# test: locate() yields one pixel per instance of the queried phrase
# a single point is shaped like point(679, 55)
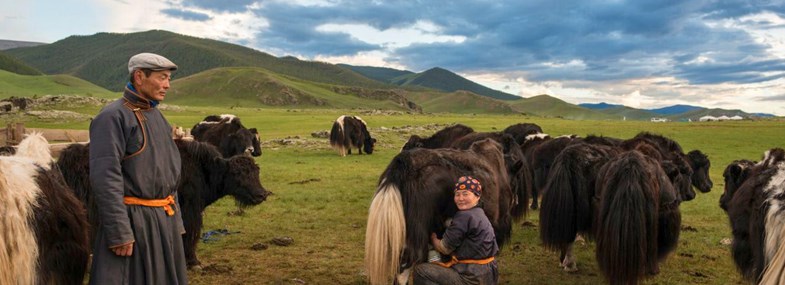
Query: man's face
point(154, 86)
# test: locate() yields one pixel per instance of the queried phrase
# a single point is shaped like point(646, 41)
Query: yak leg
point(568, 259)
point(403, 277)
point(191, 239)
point(535, 203)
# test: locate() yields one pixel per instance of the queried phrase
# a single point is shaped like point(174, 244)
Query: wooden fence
point(59, 139)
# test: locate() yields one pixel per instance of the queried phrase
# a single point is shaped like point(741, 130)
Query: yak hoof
point(534, 207)
point(569, 265)
point(195, 268)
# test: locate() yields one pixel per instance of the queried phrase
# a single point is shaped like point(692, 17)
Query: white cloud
point(225, 26)
point(373, 58)
point(420, 32)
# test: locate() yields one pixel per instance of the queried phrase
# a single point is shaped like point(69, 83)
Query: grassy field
point(321, 200)
point(12, 84)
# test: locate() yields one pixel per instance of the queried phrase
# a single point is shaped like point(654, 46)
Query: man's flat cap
point(150, 61)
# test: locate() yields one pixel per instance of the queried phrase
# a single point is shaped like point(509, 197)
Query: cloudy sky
point(645, 54)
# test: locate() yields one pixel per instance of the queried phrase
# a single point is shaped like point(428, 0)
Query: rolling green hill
point(257, 87)
point(547, 106)
point(459, 102)
point(11, 64)
point(103, 58)
point(12, 84)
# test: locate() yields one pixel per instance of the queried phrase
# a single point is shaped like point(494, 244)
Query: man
point(134, 169)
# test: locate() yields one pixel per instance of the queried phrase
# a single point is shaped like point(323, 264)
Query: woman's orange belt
point(166, 203)
point(455, 261)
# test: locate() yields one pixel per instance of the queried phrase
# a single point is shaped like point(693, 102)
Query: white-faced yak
point(44, 227)
point(757, 216)
point(349, 132)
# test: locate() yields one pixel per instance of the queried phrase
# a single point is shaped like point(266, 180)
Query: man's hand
point(123, 250)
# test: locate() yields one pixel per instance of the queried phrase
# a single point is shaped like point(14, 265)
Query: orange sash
point(166, 203)
point(455, 261)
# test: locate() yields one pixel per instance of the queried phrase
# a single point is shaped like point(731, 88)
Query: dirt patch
point(282, 241)
point(216, 269)
point(689, 229)
point(528, 224)
point(259, 246)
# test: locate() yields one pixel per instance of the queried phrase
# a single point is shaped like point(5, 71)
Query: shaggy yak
point(44, 238)
point(518, 169)
point(415, 197)
point(520, 131)
point(441, 139)
point(228, 134)
point(206, 176)
point(755, 209)
point(349, 132)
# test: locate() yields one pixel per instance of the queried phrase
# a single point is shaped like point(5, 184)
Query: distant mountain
point(11, 64)
point(434, 78)
point(763, 115)
point(103, 58)
point(694, 115)
point(628, 113)
point(599, 106)
point(9, 44)
point(548, 106)
point(383, 74)
point(675, 109)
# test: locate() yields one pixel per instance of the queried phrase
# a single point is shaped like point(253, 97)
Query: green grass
point(327, 217)
point(12, 84)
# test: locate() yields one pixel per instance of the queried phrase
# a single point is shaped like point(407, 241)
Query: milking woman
point(134, 169)
point(469, 241)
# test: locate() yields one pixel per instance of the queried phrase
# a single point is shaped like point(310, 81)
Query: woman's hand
point(435, 240)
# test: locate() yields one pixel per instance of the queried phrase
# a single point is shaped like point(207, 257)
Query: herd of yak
point(622, 193)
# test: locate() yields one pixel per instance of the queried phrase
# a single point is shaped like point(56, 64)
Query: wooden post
point(19, 133)
point(9, 132)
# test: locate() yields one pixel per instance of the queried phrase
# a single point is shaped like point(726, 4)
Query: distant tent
point(659, 120)
point(737, 118)
point(723, 118)
point(707, 119)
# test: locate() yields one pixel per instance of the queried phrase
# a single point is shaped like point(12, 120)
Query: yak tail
point(522, 184)
point(774, 272)
point(564, 209)
point(627, 222)
point(385, 234)
point(337, 137)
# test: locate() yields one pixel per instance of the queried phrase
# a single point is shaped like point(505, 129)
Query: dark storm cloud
point(186, 15)
point(549, 40)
